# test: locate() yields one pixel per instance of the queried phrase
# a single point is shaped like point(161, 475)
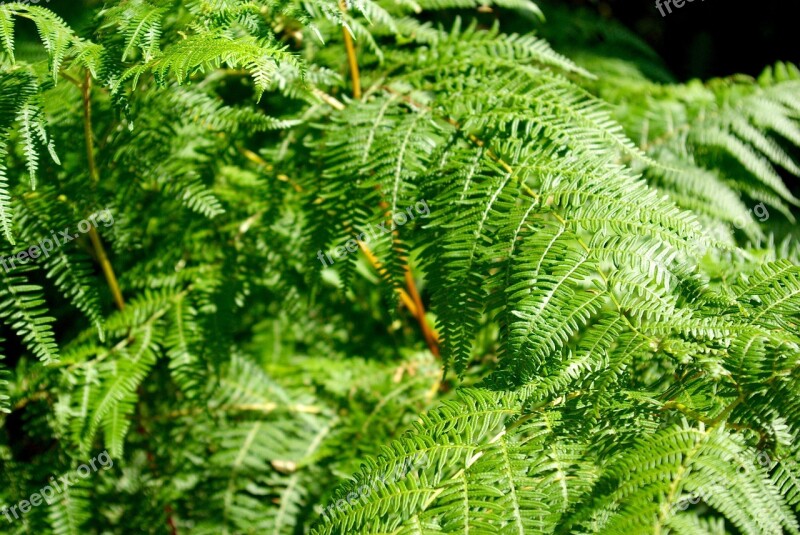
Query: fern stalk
point(86, 93)
point(350, 49)
point(97, 243)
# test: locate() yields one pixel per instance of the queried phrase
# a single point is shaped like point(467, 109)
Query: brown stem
point(410, 299)
point(71, 79)
point(404, 297)
point(108, 270)
point(99, 250)
point(86, 90)
point(330, 100)
point(431, 337)
point(351, 56)
point(173, 528)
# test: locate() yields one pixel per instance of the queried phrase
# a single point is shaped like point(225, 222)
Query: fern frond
point(70, 511)
point(111, 402)
point(54, 33)
point(21, 307)
point(198, 53)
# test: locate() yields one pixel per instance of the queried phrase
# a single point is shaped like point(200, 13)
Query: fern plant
point(390, 267)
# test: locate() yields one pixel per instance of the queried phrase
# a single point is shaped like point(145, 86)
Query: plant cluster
point(595, 323)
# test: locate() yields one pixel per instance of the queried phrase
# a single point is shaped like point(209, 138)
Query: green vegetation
point(584, 321)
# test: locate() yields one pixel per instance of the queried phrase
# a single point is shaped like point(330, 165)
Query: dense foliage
point(390, 267)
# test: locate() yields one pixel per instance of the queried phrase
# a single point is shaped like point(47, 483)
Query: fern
point(389, 267)
point(23, 311)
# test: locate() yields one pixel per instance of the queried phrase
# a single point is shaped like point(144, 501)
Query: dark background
point(708, 38)
point(704, 38)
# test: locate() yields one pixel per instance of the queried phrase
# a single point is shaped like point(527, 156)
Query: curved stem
point(97, 244)
point(108, 269)
point(86, 91)
point(351, 55)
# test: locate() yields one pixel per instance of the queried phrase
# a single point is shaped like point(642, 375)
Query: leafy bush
point(390, 267)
